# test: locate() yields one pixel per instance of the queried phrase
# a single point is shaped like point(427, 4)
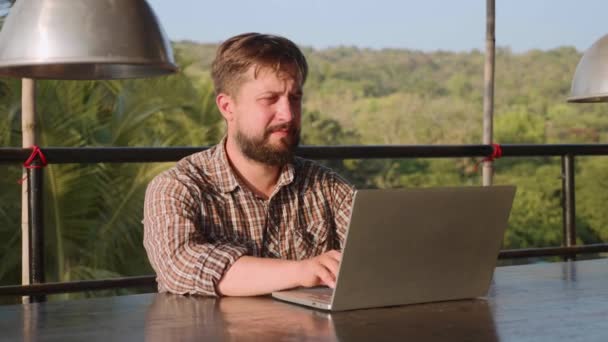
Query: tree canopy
point(353, 96)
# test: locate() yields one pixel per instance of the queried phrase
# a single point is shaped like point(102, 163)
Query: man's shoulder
point(193, 169)
point(311, 172)
point(321, 182)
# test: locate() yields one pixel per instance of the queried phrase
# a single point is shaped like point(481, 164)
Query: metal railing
point(60, 155)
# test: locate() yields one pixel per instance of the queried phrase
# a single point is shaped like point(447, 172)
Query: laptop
point(412, 246)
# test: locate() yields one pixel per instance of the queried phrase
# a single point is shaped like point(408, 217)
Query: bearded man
point(247, 217)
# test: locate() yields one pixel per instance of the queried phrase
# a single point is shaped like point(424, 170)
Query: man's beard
point(259, 148)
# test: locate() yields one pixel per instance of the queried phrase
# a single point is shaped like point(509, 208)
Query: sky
point(428, 25)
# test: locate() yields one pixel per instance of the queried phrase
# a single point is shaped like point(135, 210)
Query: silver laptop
point(415, 246)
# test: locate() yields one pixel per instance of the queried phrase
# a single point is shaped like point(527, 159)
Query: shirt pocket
point(311, 239)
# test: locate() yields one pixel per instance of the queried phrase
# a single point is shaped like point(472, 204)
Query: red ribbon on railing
point(29, 162)
point(496, 153)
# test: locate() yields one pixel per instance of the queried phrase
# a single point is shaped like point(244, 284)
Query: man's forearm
point(251, 276)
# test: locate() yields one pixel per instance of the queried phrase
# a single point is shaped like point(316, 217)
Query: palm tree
point(93, 212)
point(10, 195)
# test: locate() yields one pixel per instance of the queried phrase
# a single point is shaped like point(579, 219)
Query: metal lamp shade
point(84, 39)
point(590, 82)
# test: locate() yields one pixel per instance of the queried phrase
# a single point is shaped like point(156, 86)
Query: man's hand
point(252, 276)
point(320, 270)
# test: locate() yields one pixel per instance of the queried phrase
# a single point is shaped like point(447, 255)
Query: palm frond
point(93, 212)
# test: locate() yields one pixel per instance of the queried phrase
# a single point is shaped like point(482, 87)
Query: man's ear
point(225, 104)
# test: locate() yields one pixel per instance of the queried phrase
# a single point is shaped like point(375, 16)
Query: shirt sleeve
point(184, 262)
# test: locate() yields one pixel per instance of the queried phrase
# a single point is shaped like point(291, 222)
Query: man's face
point(267, 116)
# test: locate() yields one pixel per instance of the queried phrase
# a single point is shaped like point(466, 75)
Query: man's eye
point(269, 99)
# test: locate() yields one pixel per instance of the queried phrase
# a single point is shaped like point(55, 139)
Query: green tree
point(94, 211)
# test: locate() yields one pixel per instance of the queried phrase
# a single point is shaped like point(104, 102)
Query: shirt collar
point(226, 179)
point(287, 176)
point(224, 176)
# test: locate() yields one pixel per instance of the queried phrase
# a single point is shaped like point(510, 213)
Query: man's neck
point(258, 177)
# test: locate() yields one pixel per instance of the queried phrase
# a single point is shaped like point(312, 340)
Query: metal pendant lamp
point(84, 39)
point(590, 82)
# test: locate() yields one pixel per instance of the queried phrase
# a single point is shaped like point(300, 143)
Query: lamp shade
point(590, 82)
point(84, 39)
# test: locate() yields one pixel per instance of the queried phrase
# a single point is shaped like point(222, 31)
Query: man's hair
point(237, 54)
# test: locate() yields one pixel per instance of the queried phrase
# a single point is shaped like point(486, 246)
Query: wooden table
point(541, 302)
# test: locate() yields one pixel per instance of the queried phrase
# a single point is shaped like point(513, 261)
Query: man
point(246, 217)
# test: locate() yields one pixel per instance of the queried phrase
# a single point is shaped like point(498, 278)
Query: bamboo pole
point(488, 94)
point(29, 138)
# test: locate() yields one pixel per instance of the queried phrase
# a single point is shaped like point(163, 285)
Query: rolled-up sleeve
point(184, 262)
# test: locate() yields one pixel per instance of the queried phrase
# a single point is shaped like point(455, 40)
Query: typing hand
point(320, 270)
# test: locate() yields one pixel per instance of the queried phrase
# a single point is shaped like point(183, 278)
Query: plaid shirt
point(199, 219)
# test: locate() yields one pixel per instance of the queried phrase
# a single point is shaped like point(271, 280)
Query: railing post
point(488, 86)
point(568, 202)
point(29, 138)
point(36, 228)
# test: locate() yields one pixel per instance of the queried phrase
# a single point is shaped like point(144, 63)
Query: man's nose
point(285, 110)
